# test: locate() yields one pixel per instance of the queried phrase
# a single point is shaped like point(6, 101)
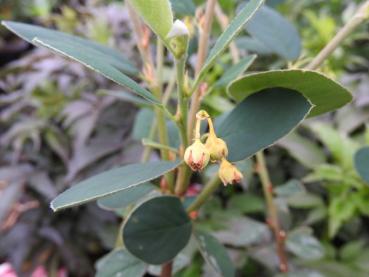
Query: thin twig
point(206, 192)
point(166, 270)
point(205, 29)
point(360, 15)
point(272, 219)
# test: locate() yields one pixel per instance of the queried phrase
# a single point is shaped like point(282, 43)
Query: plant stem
point(166, 270)
point(360, 15)
point(184, 173)
point(202, 53)
point(206, 192)
point(272, 211)
point(182, 107)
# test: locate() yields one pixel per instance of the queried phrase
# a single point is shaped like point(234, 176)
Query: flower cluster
point(198, 154)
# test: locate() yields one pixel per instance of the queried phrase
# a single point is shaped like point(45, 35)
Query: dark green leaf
point(324, 93)
point(243, 231)
point(215, 254)
point(273, 30)
point(119, 263)
point(126, 197)
point(290, 188)
point(127, 97)
point(304, 200)
point(142, 125)
point(253, 45)
point(234, 71)
point(96, 57)
point(304, 245)
point(246, 203)
point(362, 163)
point(111, 181)
point(262, 119)
point(183, 7)
point(157, 230)
point(232, 30)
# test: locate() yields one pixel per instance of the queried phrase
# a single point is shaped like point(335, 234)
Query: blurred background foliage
point(57, 127)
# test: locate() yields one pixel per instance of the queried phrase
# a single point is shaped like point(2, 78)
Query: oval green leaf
point(275, 32)
point(120, 263)
point(324, 93)
point(215, 254)
point(126, 197)
point(99, 58)
point(111, 181)
point(157, 230)
point(260, 120)
point(230, 33)
point(362, 163)
point(157, 14)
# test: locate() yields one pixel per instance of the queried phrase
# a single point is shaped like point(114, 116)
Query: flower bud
point(228, 173)
point(217, 148)
point(197, 156)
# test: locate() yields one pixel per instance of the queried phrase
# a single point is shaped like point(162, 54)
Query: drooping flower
point(228, 173)
point(197, 156)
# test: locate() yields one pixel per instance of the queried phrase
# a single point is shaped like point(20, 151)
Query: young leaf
point(275, 32)
point(260, 120)
point(95, 56)
point(119, 263)
point(157, 230)
point(229, 34)
point(234, 71)
point(156, 13)
point(362, 163)
point(215, 254)
point(126, 197)
point(111, 181)
point(324, 93)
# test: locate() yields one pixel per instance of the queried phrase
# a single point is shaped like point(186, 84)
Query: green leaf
point(275, 32)
point(142, 125)
point(304, 200)
point(126, 197)
point(157, 230)
point(246, 203)
point(303, 150)
point(253, 45)
point(341, 209)
point(260, 120)
point(111, 181)
point(230, 33)
point(340, 145)
point(324, 93)
point(183, 7)
point(95, 56)
point(215, 254)
point(243, 231)
point(352, 250)
point(234, 71)
point(157, 14)
point(126, 97)
point(119, 263)
point(292, 187)
point(362, 163)
point(304, 245)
